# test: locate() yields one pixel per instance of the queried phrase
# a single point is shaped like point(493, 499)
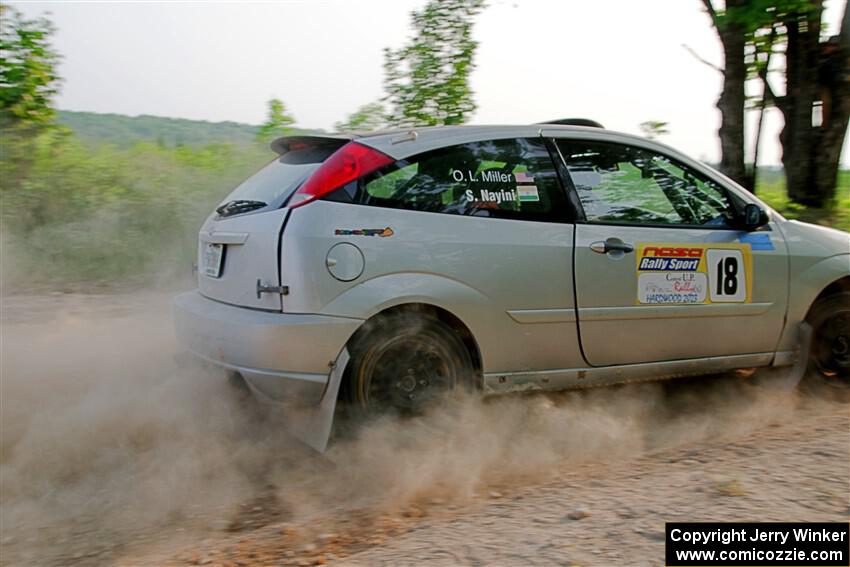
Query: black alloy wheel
point(830, 348)
point(404, 363)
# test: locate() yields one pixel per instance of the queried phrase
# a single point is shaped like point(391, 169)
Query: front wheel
point(830, 347)
point(402, 363)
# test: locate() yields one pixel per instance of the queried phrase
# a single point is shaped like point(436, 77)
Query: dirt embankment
point(112, 453)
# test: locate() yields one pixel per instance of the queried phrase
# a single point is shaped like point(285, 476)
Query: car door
point(660, 272)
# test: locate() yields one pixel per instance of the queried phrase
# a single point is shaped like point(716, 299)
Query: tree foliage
point(817, 72)
point(367, 118)
point(28, 85)
point(427, 80)
point(28, 79)
point(278, 123)
point(753, 33)
point(126, 131)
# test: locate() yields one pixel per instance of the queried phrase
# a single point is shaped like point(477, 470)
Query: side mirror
point(753, 217)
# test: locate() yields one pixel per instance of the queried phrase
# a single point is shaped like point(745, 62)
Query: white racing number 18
point(727, 276)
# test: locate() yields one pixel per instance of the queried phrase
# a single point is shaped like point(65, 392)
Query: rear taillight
point(348, 163)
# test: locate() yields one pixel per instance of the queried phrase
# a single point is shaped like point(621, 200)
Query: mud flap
point(789, 377)
point(312, 425)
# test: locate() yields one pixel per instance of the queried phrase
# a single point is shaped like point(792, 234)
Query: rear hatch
point(239, 244)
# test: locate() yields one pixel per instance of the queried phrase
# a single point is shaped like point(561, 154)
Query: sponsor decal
point(676, 274)
point(382, 232)
point(668, 264)
point(757, 241)
point(672, 287)
point(672, 252)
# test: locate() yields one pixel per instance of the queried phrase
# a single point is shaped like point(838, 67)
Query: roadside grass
point(772, 191)
point(86, 218)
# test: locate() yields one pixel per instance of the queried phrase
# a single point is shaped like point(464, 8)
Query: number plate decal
point(681, 274)
point(213, 254)
point(727, 277)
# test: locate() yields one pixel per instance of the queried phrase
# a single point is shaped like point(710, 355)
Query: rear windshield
point(275, 182)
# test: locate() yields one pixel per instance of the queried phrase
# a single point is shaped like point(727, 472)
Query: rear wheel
point(830, 348)
point(404, 362)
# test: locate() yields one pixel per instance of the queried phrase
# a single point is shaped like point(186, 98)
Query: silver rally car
point(389, 268)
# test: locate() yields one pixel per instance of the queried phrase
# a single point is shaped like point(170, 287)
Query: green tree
point(815, 74)
point(279, 122)
point(367, 118)
point(28, 79)
point(427, 80)
point(28, 85)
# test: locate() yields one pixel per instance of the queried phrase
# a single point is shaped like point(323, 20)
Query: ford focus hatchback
point(503, 258)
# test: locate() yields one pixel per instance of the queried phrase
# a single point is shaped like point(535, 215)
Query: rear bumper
point(284, 357)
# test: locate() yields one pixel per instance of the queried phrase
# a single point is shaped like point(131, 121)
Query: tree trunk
point(835, 93)
point(762, 106)
point(828, 151)
point(798, 137)
point(732, 98)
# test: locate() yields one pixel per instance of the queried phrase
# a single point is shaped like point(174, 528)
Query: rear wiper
point(239, 206)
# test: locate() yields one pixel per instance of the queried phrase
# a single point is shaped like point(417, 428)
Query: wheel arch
point(822, 279)
point(442, 314)
point(838, 286)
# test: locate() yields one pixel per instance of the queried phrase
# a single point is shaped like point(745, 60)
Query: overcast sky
point(620, 62)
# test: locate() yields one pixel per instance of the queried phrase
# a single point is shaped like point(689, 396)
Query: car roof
point(403, 142)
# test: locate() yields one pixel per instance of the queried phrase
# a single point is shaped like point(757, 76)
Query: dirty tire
point(829, 357)
point(403, 363)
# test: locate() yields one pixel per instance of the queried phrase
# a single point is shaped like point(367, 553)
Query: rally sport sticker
point(693, 274)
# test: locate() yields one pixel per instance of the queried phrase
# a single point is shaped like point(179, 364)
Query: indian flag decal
point(527, 193)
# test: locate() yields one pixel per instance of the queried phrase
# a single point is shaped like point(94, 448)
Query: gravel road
point(613, 512)
point(112, 453)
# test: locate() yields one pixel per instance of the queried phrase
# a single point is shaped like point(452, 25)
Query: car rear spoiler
point(287, 144)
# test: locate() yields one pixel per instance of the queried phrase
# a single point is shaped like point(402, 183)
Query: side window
point(628, 185)
point(512, 178)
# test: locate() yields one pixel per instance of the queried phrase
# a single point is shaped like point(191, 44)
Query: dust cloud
point(109, 443)
point(103, 435)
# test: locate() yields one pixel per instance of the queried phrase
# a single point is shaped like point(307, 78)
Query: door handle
point(611, 245)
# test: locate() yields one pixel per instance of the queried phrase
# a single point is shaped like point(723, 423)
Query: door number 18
point(727, 277)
